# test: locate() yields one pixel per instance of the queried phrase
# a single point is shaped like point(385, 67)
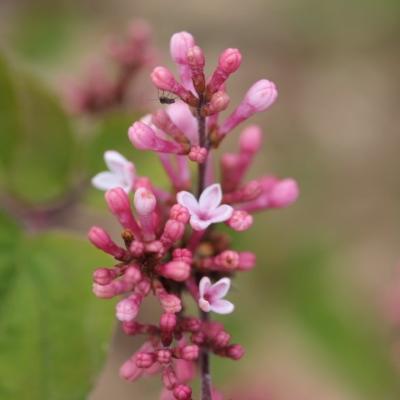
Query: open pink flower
point(211, 296)
point(208, 209)
point(121, 173)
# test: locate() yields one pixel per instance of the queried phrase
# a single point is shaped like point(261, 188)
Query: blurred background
point(320, 314)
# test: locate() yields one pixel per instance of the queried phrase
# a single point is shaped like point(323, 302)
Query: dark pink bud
point(169, 378)
point(198, 338)
point(104, 276)
point(100, 238)
point(247, 261)
point(235, 351)
point(145, 360)
point(164, 356)
point(168, 322)
point(179, 213)
point(113, 289)
point(184, 255)
point(240, 221)
point(143, 287)
point(221, 339)
point(195, 57)
point(189, 352)
point(182, 392)
point(154, 247)
point(191, 324)
point(130, 371)
point(176, 270)
point(131, 327)
point(228, 259)
point(251, 139)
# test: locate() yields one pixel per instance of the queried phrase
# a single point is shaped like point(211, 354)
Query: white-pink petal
point(211, 197)
point(106, 181)
point(115, 161)
point(219, 289)
point(187, 199)
point(221, 214)
point(199, 224)
point(204, 285)
point(222, 306)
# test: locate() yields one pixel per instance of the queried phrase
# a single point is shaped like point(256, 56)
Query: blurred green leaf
point(9, 122)
point(53, 328)
point(38, 156)
point(347, 337)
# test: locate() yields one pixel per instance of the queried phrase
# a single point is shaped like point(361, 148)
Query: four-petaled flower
point(211, 296)
point(121, 173)
point(208, 209)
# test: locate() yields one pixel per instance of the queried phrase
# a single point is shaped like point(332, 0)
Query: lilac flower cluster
point(171, 241)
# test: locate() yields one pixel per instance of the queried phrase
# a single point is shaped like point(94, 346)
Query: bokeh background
point(318, 314)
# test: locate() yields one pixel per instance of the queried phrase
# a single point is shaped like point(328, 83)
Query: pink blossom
point(127, 309)
point(121, 173)
point(208, 209)
point(211, 296)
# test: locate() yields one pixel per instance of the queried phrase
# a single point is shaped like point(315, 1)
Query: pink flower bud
point(111, 290)
point(131, 327)
point(133, 274)
point(182, 392)
point(170, 303)
point(144, 138)
point(191, 324)
point(180, 43)
point(184, 255)
point(145, 201)
point(169, 378)
point(176, 270)
point(179, 213)
point(129, 371)
point(100, 238)
point(219, 102)
point(143, 287)
point(104, 276)
point(234, 351)
point(173, 231)
point(198, 338)
point(136, 248)
point(251, 139)
point(258, 98)
point(198, 154)
point(119, 204)
point(240, 221)
point(168, 322)
point(164, 356)
point(247, 261)
point(189, 352)
point(145, 359)
point(221, 339)
point(195, 57)
point(127, 309)
point(228, 259)
point(284, 193)
point(229, 61)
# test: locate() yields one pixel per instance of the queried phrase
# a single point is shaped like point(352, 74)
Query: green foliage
point(39, 145)
point(53, 329)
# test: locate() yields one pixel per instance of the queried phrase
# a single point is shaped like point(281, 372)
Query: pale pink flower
point(211, 296)
point(121, 173)
point(208, 209)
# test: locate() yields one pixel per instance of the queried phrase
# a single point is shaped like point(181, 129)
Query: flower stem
point(204, 355)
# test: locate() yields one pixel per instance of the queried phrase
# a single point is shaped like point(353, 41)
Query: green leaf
point(9, 121)
point(43, 161)
point(348, 337)
point(53, 328)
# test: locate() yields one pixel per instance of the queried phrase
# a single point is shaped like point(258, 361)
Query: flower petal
point(204, 285)
point(115, 161)
point(199, 224)
point(182, 117)
point(220, 214)
point(211, 198)
point(129, 175)
point(222, 307)
point(186, 199)
point(219, 289)
point(204, 305)
point(106, 181)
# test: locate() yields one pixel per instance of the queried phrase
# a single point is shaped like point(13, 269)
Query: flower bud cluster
point(167, 246)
